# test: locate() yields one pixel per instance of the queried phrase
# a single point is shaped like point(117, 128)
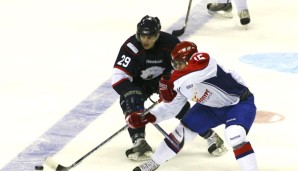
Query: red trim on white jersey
point(198, 61)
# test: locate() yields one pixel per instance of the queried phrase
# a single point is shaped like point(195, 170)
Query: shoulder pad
point(199, 61)
point(168, 41)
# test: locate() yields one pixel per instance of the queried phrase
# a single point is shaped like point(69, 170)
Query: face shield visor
point(179, 64)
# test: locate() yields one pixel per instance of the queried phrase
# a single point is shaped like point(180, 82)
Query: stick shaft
point(179, 32)
point(59, 167)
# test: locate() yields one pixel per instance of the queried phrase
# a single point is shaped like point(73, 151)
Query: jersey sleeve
point(124, 67)
point(164, 111)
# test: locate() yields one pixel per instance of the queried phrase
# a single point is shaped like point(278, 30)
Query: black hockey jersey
point(136, 66)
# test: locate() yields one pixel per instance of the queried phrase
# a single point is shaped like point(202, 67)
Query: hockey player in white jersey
point(225, 6)
point(221, 97)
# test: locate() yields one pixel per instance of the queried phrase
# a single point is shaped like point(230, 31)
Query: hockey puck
point(39, 167)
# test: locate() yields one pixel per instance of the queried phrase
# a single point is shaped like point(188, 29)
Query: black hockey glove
point(134, 101)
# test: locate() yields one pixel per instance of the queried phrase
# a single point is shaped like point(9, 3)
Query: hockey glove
point(166, 91)
point(134, 100)
point(135, 120)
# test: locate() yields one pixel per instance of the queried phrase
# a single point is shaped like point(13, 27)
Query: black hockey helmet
point(148, 26)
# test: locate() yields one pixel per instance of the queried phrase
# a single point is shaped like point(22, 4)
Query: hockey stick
point(58, 167)
point(175, 144)
point(182, 30)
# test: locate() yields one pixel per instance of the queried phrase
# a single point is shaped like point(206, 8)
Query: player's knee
point(235, 135)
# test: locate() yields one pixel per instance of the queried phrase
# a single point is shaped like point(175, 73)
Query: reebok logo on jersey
point(132, 48)
point(153, 61)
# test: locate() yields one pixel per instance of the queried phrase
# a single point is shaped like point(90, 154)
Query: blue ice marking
point(282, 62)
point(65, 130)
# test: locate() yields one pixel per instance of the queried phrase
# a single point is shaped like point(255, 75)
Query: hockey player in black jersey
point(141, 62)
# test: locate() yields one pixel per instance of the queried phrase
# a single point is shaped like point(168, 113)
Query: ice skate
point(148, 166)
point(221, 9)
point(216, 145)
point(244, 17)
point(140, 151)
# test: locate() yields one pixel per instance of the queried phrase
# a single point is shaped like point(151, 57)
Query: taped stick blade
point(50, 162)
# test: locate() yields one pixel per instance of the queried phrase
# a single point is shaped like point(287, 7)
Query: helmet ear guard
point(148, 26)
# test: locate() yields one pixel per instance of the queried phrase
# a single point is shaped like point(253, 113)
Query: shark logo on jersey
point(152, 72)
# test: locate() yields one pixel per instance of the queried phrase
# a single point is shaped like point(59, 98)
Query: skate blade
point(221, 14)
point(220, 151)
point(135, 156)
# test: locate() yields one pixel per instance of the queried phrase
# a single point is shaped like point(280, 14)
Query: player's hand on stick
point(166, 91)
point(135, 120)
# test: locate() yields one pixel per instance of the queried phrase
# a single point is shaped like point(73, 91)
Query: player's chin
point(147, 46)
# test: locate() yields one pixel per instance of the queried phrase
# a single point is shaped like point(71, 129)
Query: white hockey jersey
point(203, 81)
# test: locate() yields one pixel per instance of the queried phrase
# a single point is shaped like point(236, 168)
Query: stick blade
point(50, 162)
point(179, 32)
